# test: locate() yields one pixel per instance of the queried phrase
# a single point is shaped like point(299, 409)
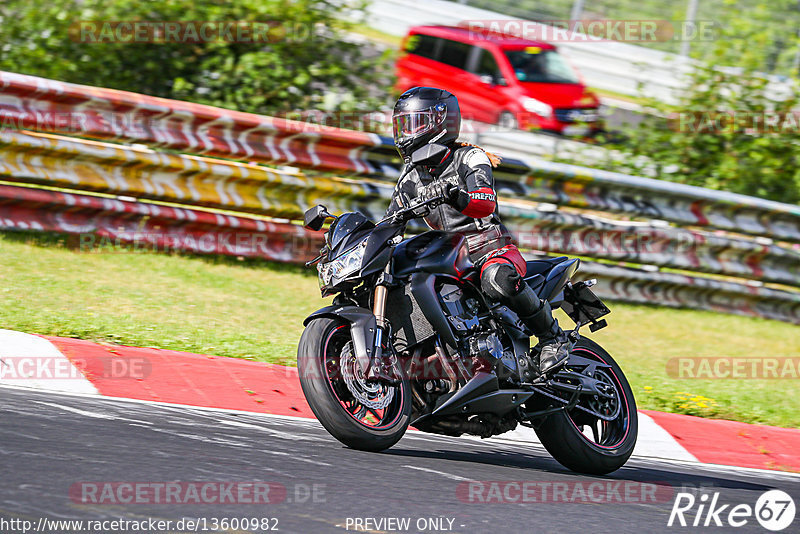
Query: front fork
point(382, 368)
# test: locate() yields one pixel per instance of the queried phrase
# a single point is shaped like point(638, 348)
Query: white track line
point(765, 473)
point(93, 415)
point(38, 358)
point(654, 441)
point(446, 475)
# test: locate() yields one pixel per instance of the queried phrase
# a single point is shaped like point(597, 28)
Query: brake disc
point(370, 394)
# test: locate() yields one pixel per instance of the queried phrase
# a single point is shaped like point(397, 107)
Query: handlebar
point(400, 215)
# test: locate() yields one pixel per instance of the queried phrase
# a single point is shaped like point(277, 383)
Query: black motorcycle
point(410, 339)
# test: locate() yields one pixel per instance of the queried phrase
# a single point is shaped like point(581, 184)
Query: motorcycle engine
point(486, 347)
point(462, 311)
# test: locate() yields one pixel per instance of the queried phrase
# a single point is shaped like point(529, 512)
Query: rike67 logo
point(774, 510)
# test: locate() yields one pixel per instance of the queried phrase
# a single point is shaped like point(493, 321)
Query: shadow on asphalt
point(680, 477)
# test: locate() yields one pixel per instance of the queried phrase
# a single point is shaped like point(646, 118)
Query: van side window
point(422, 45)
point(455, 54)
point(487, 65)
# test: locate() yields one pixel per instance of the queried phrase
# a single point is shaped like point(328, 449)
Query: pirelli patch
point(479, 195)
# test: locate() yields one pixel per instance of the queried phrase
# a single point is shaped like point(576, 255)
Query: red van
point(500, 79)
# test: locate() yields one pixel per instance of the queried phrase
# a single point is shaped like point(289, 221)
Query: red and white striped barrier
point(109, 225)
point(140, 174)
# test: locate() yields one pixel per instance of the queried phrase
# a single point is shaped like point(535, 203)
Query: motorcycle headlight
point(343, 266)
point(537, 106)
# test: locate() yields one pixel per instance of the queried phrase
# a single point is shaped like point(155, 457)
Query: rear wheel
point(586, 443)
point(364, 415)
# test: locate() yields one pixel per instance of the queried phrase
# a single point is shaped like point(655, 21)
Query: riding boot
point(553, 344)
point(536, 315)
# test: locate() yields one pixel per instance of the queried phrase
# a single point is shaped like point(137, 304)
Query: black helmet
point(425, 115)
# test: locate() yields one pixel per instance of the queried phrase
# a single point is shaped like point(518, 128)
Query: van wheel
point(508, 121)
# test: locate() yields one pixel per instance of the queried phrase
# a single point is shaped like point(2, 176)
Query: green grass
point(213, 305)
point(255, 309)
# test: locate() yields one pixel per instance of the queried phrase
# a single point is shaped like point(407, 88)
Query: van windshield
point(532, 64)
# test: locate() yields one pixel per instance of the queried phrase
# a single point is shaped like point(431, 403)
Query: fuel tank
point(433, 252)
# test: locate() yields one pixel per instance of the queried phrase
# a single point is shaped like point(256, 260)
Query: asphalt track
point(50, 442)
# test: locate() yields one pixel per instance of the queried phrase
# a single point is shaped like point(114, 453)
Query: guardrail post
point(691, 15)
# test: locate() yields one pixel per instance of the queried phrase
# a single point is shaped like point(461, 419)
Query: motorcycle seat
point(541, 266)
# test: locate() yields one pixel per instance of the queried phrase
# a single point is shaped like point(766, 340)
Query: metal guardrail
point(521, 145)
point(583, 187)
point(38, 103)
point(108, 224)
point(201, 181)
point(41, 104)
point(138, 176)
point(681, 291)
point(138, 172)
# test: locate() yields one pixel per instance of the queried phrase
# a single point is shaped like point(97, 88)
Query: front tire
point(325, 365)
point(565, 435)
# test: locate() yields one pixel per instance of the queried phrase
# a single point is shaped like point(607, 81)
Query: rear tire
point(563, 439)
point(321, 346)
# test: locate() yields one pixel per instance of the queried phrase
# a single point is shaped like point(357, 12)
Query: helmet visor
point(411, 124)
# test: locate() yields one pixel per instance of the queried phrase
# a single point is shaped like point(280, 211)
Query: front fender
point(362, 329)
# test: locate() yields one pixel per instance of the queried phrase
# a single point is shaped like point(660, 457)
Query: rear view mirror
point(429, 155)
point(314, 218)
point(489, 79)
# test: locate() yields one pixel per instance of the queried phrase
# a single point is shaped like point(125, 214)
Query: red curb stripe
point(221, 382)
point(193, 379)
point(719, 441)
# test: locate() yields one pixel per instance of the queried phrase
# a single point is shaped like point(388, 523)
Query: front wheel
point(368, 416)
point(507, 121)
point(585, 443)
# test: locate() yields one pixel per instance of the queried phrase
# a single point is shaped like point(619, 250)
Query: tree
point(306, 55)
point(716, 135)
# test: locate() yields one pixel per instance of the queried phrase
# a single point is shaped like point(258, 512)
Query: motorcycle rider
point(424, 115)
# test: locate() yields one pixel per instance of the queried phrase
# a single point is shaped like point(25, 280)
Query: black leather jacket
point(476, 217)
